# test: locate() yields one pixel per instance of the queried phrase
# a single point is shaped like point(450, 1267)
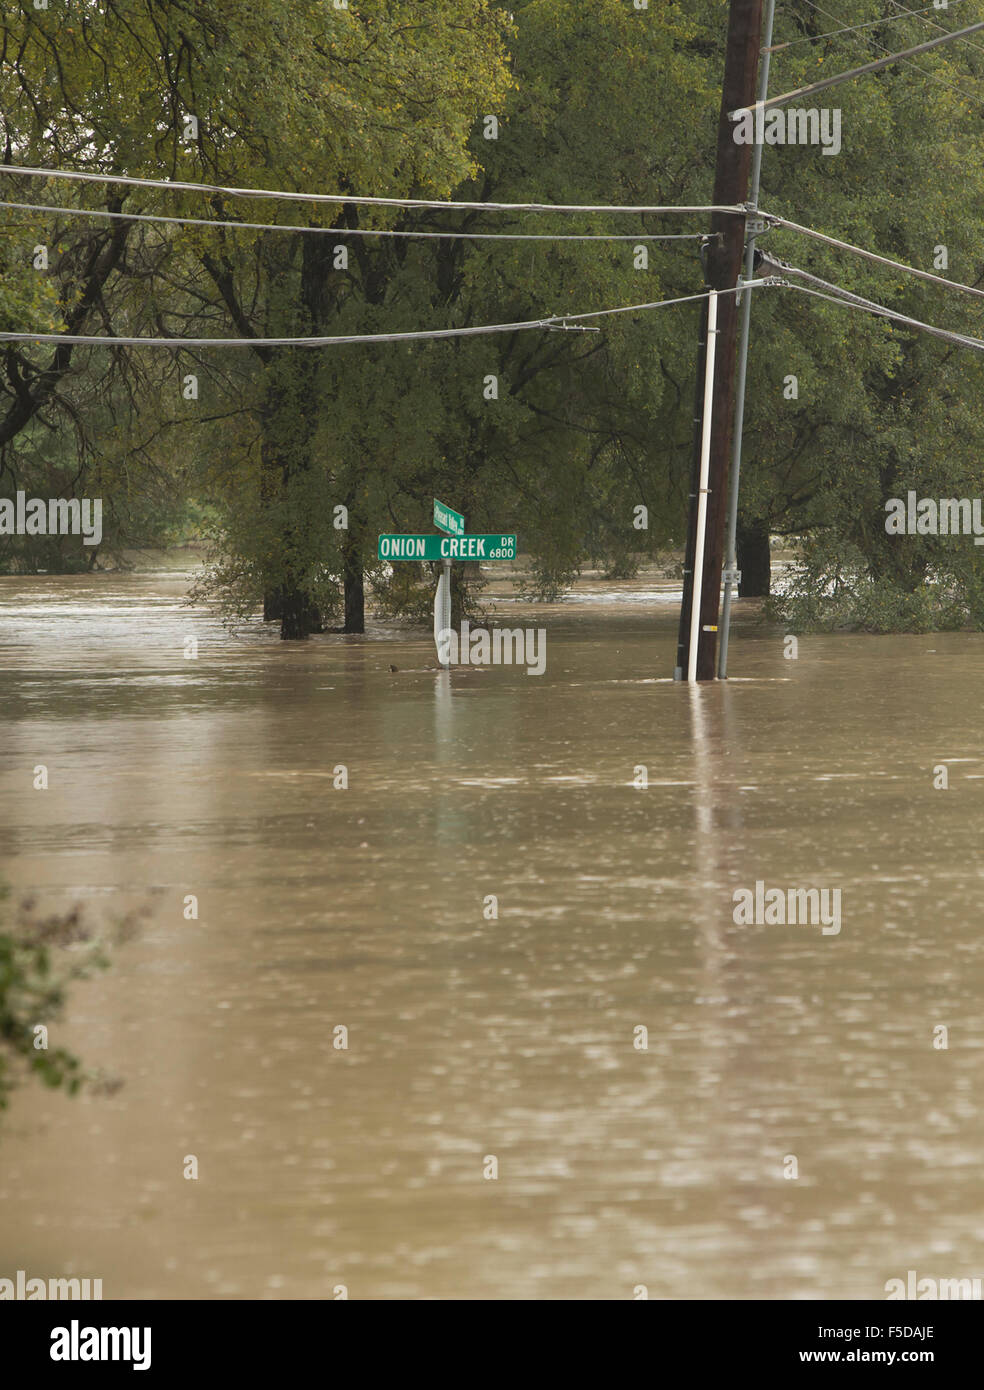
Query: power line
point(927, 76)
point(852, 28)
point(554, 321)
point(441, 205)
point(876, 66)
point(851, 301)
point(871, 255)
point(921, 15)
point(352, 231)
point(782, 268)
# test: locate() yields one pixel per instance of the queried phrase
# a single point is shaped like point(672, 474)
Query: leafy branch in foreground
point(40, 955)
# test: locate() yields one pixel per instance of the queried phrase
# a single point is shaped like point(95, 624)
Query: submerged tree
point(378, 98)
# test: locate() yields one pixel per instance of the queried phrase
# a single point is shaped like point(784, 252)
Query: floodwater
point(469, 1036)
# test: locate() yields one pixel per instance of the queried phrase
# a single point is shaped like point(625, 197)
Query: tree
point(562, 436)
point(845, 411)
point(380, 98)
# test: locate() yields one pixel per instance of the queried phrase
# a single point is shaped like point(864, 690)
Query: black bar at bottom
point(196, 1339)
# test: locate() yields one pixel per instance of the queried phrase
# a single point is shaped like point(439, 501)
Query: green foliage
point(39, 957)
point(881, 409)
point(597, 103)
point(30, 300)
point(937, 585)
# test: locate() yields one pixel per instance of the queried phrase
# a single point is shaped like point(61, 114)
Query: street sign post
point(442, 612)
point(448, 520)
point(453, 546)
point(428, 547)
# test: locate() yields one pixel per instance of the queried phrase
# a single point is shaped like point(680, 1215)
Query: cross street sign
point(448, 520)
point(428, 547)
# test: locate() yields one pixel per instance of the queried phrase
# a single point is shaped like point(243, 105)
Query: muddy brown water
point(515, 1037)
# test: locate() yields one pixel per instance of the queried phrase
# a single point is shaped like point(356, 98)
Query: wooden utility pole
point(724, 258)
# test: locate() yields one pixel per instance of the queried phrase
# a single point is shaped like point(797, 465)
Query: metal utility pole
point(731, 546)
point(724, 263)
point(683, 636)
point(707, 421)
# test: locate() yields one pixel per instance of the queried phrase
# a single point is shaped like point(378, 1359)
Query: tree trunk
point(355, 591)
point(754, 558)
point(459, 574)
point(299, 615)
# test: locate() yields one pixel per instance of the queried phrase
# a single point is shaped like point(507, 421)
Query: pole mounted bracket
point(565, 327)
point(743, 284)
point(756, 227)
point(731, 576)
point(752, 211)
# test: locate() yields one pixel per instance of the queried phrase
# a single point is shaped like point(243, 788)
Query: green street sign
point(447, 548)
point(448, 520)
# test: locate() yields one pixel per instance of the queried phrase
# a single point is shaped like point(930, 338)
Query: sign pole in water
point(454, 545)
point(442, 613)
point(452, 522)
